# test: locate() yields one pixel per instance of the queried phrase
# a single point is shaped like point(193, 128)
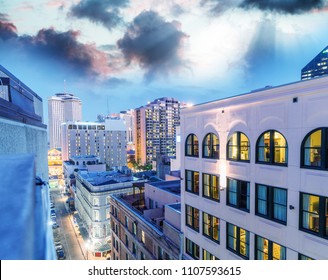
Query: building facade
point(24, 229)
point(86, 163)
point(55, 167)
point(146, 224)
point(104, 140)
point(255, 175)
point(317, 67)
point(155, 129)
point(92, 202)
point(62, 107)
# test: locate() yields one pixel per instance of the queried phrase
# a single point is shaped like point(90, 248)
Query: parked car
point(54, 225)
point(58, 245)
point(61, 254)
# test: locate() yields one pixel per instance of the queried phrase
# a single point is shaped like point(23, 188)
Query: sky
point(117, 55)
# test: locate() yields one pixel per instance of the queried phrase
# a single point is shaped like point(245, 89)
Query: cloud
point(105, 12)
point(217, 7)
point(285, 6)
point(177, 10)
point(59, 47)
point(7, 29)
point(154, 44)
point(64, 47)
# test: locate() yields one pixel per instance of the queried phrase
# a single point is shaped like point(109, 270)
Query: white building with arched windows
point(255, 174)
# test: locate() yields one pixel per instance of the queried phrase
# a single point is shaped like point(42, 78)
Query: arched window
point(192, 149)
point(271, 148)
point(238, 147)
point(211, 146)
point(314, 149)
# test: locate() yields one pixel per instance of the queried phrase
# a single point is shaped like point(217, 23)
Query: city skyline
point(126, 53)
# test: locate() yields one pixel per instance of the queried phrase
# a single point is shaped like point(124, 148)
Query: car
point(52, 205)
point(60, 254)
point(52, 211)
point(55, 225)
point(58, 245)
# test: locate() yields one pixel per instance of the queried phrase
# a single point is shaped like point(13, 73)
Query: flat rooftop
point(169, 186)
point(106, 178)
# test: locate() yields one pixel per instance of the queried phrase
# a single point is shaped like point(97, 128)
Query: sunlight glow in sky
point(132, 51)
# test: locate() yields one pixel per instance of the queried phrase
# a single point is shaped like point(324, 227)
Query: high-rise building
point(255, 172)
point(62, 107)
point(105, 140)
point(317, 67)
point(155, 129)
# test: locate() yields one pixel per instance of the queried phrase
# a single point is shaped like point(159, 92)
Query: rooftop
point(106, 178)
point(169, 186)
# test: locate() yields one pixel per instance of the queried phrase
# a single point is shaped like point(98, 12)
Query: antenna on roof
point(65, 86)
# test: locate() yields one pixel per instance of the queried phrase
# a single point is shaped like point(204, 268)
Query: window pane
point(206, 224)
point(244, 195)
point(312, 149)
point(232, 191)
point(215, 187)
point(244, 147)
point(216, 228)
point(262, 200)
point(244, 241)
point(262, 251)
point(196, 182)
point(278, 252)
point(207, 146)
point(280, 204)
point(280, 155)
point(216, 147)
point(206, 185)
point(310, 217)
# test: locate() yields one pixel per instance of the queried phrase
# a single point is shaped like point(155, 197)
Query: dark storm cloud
point(60, 45)
point(7, 29)
point(217, 7)
point(105, 12)
point(285, 6)
point(56, 47)
point(154, 44)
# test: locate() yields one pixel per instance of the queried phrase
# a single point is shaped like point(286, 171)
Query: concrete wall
point(18, 138)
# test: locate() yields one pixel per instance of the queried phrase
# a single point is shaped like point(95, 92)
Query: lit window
point(192, 217)
point(192, 181)
point(211, 146)
point(191, 147)
point(314, 214)
point(238, 147)
point(211, 227)
point(271, 148)
point(207, 256)
point(315, 149)
point(268, 250)
point(192, 249)
point(211, 186)
point(238, 240)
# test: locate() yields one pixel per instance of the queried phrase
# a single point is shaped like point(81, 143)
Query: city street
point(67, 233)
